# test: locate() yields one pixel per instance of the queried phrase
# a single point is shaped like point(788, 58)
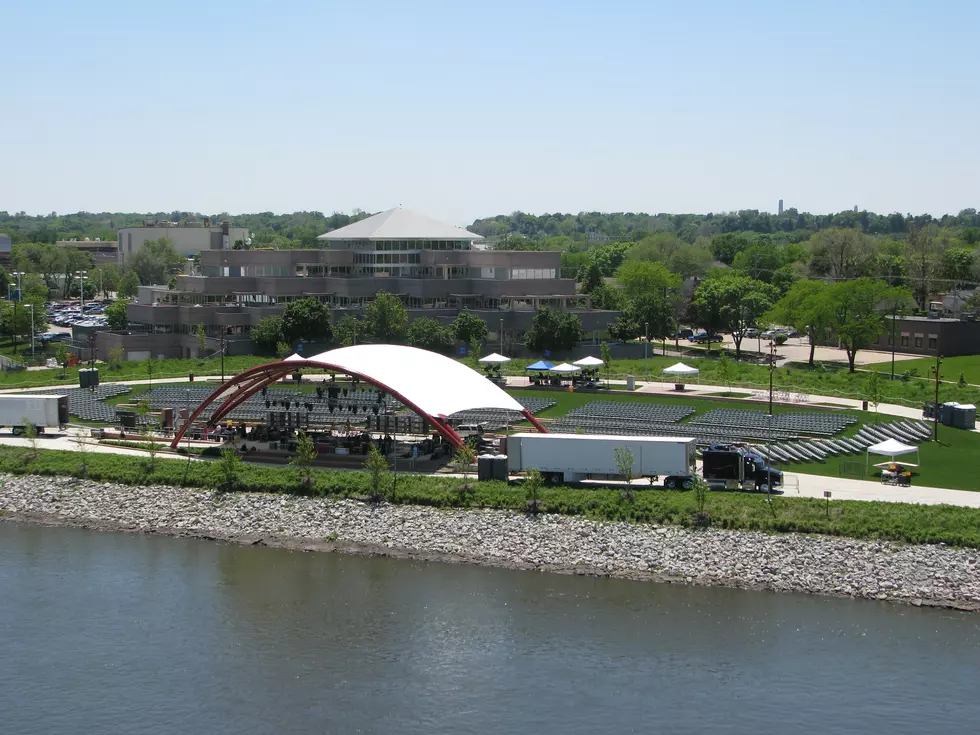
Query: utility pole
point(31, 307)
point(501, 336)
point(935, 413)
point(82, 277)
point(221, 342)
point(894, 314)
point(13, 326)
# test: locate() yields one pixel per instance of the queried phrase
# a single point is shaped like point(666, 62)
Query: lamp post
point(13, 326)
point(772, 369)
point(935, 413)
point(82, 277)
point(646, 350)
point(31, 307)
point(501, 336)
point(894, 314)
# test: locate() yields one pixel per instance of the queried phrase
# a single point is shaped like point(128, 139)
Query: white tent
point(589, 362)
point(681, 369)
point(493, 359)
point(891, 448)
point(564, 368)
point(678, 371)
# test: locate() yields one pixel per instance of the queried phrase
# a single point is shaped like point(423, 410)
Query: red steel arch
point(241, 387)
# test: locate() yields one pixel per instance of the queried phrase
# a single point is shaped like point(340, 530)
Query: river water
point(116, 633)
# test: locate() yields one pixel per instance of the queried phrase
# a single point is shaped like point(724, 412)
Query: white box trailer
point(575, 457)
point(43, 412)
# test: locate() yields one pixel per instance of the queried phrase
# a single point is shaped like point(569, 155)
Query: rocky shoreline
point(916, 574)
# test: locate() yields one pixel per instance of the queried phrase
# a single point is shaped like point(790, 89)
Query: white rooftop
point(400, 224)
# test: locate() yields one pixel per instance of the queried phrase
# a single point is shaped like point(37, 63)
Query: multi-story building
point(103, 252)
point(188, 239)
point(437, 270)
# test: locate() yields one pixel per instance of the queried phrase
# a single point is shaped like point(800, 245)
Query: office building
point(188, 239)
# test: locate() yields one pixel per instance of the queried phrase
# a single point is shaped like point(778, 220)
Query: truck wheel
point(764, 487)
point(670, 483)
point(687, 484)
point(16, 430)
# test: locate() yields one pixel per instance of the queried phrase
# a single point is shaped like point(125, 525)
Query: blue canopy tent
point(540, 365)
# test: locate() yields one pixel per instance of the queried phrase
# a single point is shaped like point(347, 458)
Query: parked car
point(752, 332)
point(684, 334)
point(704, 337)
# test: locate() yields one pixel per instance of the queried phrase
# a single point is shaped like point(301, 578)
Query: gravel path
point(935, 575)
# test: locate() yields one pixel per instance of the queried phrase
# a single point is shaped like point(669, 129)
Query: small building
point(188, 239)
point(6, 249)
point(923, 335)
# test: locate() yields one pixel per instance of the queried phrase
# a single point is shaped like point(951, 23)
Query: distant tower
point(780, 206)
point(855, 207)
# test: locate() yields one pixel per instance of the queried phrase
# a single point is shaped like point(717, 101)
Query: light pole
point(894, 313)
point(31, 307)
point(82, 277)
point(646, 350)
point(772, 369)
point(935, 412)
point(13, 327)
point(501, 336)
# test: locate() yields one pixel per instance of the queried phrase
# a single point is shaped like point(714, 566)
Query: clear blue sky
point(467, 109)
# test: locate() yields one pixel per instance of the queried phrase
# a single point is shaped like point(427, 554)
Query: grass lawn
point(953, 463)
point(952, 368)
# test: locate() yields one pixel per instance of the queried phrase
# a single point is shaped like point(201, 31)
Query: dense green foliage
point(429, 334)
point(895, 521)
point(386, 319)
point(553, 330)
point(307, 319)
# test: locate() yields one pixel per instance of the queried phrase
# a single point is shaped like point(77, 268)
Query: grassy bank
point(911, 523)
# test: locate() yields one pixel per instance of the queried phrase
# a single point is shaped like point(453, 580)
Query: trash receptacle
point(630, 382)
point(864, 405)
point(484, 471)
point(499, 466)
point(190, 377)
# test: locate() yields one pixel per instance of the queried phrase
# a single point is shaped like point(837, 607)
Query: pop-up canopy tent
point(679, 371)
point(589, 362)
point(494, 359)
point(540, 365)
point(891, 448)
point(564, 368)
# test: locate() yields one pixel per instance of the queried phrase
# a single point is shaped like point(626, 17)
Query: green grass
point(893, 521)
point(966, 365)
point(952, 463)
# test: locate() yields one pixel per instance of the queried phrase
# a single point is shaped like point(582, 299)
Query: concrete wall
point(187, 241)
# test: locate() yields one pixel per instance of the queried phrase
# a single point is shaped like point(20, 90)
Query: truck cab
point(731, 467)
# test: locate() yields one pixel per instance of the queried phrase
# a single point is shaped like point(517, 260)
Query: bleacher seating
point(810, 423)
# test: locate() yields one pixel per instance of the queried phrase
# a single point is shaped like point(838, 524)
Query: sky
point(467, 109)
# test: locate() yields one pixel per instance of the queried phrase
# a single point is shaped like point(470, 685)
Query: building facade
point(187, 239)
point(435, 269)
point(921, 335)
point(103, 252)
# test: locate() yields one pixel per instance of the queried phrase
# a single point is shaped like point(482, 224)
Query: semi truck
point(42, 412)
point(576, 457)
point(733, 467)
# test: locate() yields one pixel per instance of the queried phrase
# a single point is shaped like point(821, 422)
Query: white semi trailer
point(42, 412)
point(576, 457)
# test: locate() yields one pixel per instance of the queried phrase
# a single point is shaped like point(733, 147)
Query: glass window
point(905, 340)
point(918, 341)
point(933, 342)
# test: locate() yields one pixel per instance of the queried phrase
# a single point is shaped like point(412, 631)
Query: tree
point(304, 457)
point(115, 313)
point(761, 261)
point(590, 276)
point(73, 261)
point(532, 490)
point(640, 277)
point(429, 334)
point(116, 355)
point(268, 333)
point(855, 311)
point(376, 465)
point(553, 330)
point(725, 370)
point(31, 434)
point(605, 297)
point(605, 355)
point(806, 307)
point(61, 356)
point(648, 315)
point(229, 467)
point(283, 350)
point(387, 318)
point(463, 459)
point(874, 391)
point(624, 462)
point(156, 262)
point(468, 327)
point(737, 302)
point(839, 253)
point(129, 285)
point(105, 278)
point(201, 333)
point(308, 319)
point(150, 365)
point(349, 330)
point(725, 247)
point(921, 263)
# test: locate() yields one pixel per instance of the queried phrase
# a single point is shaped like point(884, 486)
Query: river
point(118, 633)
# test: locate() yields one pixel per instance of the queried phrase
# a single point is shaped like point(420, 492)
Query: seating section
point(88, 404)
point(495, 419)
point(788, 452)
point(623, 410)
point(810, 423)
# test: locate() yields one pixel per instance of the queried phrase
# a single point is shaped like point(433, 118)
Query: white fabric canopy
point(891, 448)
point(681, 369)
point(589, 362)
point(435, 384)
point(564, 368)
point(494, 358)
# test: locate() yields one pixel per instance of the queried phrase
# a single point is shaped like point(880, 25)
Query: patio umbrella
point(589, 362)
point(564, 368)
